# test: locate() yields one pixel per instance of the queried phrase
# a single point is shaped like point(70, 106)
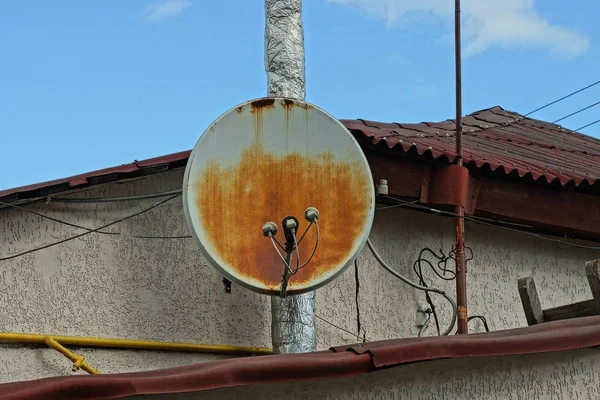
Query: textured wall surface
point(568, 375)
point(163, 289)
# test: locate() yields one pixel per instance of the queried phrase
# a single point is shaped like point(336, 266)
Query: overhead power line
point(491, 126)
point(576, 112)
point(585, 126)
point(562, 98)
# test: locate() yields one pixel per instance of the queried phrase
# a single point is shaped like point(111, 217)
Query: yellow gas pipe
point(58, 342)
point(78, 359)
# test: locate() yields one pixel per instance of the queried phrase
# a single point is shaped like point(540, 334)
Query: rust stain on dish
point(234, 202)
point(262, 103)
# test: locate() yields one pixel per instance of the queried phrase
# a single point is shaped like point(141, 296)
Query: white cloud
point(486, 23)
point(165, 9)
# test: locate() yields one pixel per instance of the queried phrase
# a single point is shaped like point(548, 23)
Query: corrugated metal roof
point(494, 138)
point(342, 361)
point(120, 172)
point(501, 140)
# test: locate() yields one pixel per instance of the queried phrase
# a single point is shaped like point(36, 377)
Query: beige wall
point(555, 376)
point(163, 289)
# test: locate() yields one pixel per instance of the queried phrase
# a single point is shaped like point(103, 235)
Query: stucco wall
point(555, 376)
point(163, 289)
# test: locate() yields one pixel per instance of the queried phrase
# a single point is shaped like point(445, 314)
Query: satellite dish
point(276, 187)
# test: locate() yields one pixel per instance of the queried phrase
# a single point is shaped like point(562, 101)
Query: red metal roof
point(497, 139)
point(342, 361)
point(132, 170)
point(500, 140)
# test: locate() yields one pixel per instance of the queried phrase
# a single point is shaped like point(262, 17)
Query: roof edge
point(342, 361)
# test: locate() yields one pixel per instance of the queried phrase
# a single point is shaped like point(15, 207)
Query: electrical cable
point(52, 218)
point(90, 231)
point(297, 251)
point(562, 98)
point(314, 248)
point(414, 205)
point(576, 112)
point(305, 232)
point(585, 126)
point(111, 199)
point(492, 125)
point(492, 223)
point(425, 323)
point(482, 318)
point(580, 246)
point(287, 266)
point(417, 268)
point(363, 338)
point(59, 221)
point(416, 286)
point(442, 259)
point(278, 243)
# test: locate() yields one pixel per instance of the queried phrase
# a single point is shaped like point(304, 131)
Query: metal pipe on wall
point(461, 273)
point(293, 317)
point(83, 341)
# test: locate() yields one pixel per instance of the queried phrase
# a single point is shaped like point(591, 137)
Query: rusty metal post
point(293, 317)
point(461, 273)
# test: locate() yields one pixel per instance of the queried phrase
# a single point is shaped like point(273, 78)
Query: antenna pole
point(461, 272)
point(293, 317)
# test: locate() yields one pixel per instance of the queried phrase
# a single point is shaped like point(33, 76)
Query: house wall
point(556, 376)
point(163, 289)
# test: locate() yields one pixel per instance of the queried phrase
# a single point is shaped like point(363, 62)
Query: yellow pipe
point(77, 359)
point(81, 341)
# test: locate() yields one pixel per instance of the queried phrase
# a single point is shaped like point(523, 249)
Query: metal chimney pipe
point(293, 317)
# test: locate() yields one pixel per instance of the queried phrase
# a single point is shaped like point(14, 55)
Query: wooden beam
point(592, 270)
point(530, 300)
point(542, 207)
point(404, 176)
point(585, 308)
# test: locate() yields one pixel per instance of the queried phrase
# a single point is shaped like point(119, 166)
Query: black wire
point(52, 218)
point(492, 223)
point(442, 262)
point(562, 98)
point(482, 318)
point(418, 269)
point(363, 338)
point(585, 126)
point(112, 199)
point(576, 112)
point(419, 273)
point(539, 108)
point(89, 231)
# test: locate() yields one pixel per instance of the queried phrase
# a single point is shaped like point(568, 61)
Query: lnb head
point(269, 229)
point(311, 214)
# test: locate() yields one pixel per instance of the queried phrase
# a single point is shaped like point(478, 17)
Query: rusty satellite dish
point(279, 196)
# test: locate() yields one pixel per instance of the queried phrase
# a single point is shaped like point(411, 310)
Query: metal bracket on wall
point(450, 185)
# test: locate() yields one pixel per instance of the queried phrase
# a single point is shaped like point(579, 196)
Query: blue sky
point(91, 84)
